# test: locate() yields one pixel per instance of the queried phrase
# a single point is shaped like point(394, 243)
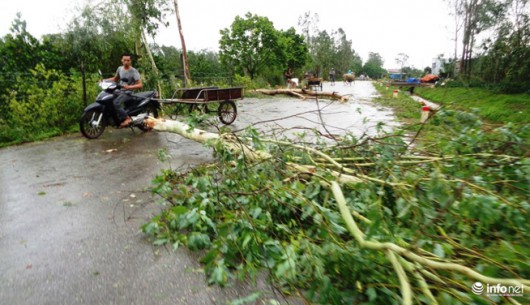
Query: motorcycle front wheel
point(92, 124)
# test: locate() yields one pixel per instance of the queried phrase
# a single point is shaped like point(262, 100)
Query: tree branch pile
point(358, 223)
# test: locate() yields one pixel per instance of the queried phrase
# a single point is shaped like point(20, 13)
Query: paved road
point(70, 211)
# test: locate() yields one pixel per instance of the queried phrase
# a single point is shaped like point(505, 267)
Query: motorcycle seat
point(145, 94)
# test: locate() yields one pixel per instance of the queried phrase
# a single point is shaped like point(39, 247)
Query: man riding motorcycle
point(129, 79)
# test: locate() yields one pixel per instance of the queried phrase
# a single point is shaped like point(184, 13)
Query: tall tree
point(402, 60)
point(97, 37)
point(20, 51)
point(478, 16)
point(146, 17)
point(309, 26)
point(520, 41)
point(374, 65)
point(250, 45)
point(345, 56)
point(328, 49)
point(323, 52)
point(456, 10)
point(294, 48)
point(506, 56)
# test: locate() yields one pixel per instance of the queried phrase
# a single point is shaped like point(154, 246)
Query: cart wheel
point(227, 112)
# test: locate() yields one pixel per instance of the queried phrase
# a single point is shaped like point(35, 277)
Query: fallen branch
point(392, 249)
point(410, 264)
point(304, 94)
point(228, 141)
point(234, 145)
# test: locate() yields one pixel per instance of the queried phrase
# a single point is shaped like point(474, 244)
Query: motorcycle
point(98, 115)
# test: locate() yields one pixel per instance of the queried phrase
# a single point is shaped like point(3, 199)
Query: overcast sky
point(422, 29)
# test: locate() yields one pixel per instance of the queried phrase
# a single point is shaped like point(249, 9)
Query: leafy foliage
point(504, 55)
point(250, 45)
point(295, 52)
point(374, 66)
point(97, 38)
point(466, 203)
point(253, 47)
point(328, 50)
point(42, 104)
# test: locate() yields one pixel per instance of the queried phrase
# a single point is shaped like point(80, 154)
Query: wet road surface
point(71, 208)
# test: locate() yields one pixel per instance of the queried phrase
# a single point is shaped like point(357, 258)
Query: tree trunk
point(187, 75)
point(457, 7)
point(304, 94)
point(153, 63)
point(237, 146)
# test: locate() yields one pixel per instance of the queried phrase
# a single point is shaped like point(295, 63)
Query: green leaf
point(372, 294)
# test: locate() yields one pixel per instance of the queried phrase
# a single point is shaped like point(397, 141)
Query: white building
point(437, 66)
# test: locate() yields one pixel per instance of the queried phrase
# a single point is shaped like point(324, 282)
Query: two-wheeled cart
point(201, 99)
point(314, 83)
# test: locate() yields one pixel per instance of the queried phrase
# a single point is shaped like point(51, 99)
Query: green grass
point(491, 106)
point(405, 108)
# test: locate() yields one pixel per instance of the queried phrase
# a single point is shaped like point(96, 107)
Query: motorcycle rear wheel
point(89, 126)
point(151, 110)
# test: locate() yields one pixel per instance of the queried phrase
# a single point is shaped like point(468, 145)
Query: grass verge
point(494, 110)
point(493, 107)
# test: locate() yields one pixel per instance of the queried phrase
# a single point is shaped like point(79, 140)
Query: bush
point(512, 87)
point(244, 81)
point(454, 84)
point(41, 104)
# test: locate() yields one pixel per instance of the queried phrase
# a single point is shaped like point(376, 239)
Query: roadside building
point(437, 66)
point(396, 74)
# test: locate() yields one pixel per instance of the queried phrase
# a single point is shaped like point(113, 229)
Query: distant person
point(129, 79)
point(288, 75)
point(332, 76)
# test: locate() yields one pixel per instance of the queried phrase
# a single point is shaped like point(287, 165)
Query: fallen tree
point(431, 227)
point(304, 94)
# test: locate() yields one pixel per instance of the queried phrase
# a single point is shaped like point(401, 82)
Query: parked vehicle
point(98, 115)
point(201, 97)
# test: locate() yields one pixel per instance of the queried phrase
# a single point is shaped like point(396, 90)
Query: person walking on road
point(332, 76)
point(129, 79)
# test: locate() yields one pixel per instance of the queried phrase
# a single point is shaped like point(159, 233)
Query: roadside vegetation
point(493, 109)
point(95, 38)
